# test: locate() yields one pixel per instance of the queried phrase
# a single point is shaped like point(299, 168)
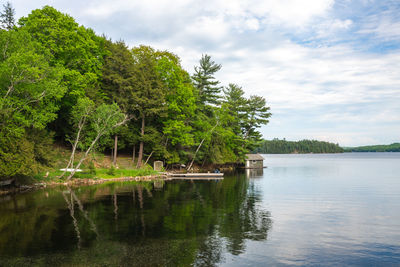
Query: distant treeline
point(277, 146)
point(395, 147)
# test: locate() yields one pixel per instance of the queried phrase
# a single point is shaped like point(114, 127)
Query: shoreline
point(80, 182)
point(23, 188)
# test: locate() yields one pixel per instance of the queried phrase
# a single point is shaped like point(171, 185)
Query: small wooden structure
point(254, 161)
point(158, 166)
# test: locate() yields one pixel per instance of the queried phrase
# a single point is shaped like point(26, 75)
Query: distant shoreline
point(395, 147)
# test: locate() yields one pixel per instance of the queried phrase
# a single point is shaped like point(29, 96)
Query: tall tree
point(234, 112)
point(117, 84)
point(149, 94)
point(208, 98)
point(29, 93)
point(78, 49)
point(204, 81)
point(181, 107)
point(235, 104)
point(117, 75)
point(7, 17)
point(257, 114)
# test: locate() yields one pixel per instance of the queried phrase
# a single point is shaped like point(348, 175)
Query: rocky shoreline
point(79, 182)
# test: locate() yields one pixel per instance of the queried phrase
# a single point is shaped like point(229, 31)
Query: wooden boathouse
point(254, 161)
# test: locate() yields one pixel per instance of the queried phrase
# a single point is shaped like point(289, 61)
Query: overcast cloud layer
point(330, 70)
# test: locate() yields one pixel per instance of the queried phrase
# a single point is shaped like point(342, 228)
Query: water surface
point(329, 210)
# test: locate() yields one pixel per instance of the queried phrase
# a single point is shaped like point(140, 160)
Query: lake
point(305, 210)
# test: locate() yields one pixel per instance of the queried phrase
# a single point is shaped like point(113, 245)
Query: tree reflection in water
point(184, 223)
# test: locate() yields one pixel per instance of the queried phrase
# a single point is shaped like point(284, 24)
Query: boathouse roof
point(254, 157)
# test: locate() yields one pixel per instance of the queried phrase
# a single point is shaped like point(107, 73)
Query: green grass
point(104, 173)
point(61, 158)
point(101, 173)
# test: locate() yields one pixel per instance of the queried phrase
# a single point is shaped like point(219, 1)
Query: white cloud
point(386, 29)
point(296, 76)
point(291, 12)
point(253, 24)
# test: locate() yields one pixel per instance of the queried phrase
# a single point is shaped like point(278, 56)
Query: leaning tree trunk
point(115, 150)
point(84, 156)
point(140, 156)
point(74, 146)
point(198, 148)
point(147, 160)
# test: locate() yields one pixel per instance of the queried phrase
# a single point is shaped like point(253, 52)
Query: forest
point(61, 83)
point(395, 147)
point(277, 146)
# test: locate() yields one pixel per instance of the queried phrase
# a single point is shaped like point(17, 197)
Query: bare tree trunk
point(115, 150)
point(195, 153)
point(99, 134)
point(198, 148)
point(148, 158)
point(140, 156)
point(74, 146)
point(84, 156)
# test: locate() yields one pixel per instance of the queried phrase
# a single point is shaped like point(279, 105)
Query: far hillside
point(277, 146)
point(395, 147)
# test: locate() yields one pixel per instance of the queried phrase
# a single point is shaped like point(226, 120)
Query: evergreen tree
point(7, 19)
point(117, 86)
point(117, 75)
point(257, 114)
point(149, 94)
point(235, 104)
point(207, 86)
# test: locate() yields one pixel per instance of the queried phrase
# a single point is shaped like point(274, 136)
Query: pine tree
point(205, 82)
point(7, 19)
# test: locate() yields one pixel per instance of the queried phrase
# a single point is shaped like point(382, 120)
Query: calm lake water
point(306, 210)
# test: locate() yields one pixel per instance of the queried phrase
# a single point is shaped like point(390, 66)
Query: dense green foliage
point(59, 80)
point(277, 146)
point(395, 147)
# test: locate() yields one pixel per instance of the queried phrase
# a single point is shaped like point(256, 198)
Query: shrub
point(92, 169)
point(111, 170)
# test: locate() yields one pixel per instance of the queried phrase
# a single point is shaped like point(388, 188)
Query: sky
point(329, 69)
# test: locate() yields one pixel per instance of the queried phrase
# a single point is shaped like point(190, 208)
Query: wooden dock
point(195, 176)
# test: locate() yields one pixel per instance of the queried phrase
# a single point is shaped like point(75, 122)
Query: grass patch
point(100, 173)
point(96, 166)
point(117, 173)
